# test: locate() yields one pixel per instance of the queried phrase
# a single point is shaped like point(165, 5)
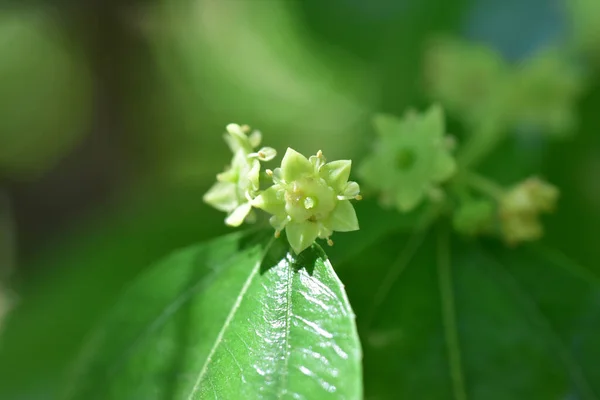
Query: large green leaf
point(235, 318)
point(479, 320)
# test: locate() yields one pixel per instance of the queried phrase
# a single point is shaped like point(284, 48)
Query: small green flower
point(584, 22)
point(310, 198)
point(239, 183)
point(544, 93)
point(520, 208)
point(468, 79)
point(410, 158)
point(474, 217)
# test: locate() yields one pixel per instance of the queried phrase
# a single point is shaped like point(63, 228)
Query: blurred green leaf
point(481, 321)
point(45, 94)
point(7, 238)
point(574, 166)
point(70, 283)
point(225, 319)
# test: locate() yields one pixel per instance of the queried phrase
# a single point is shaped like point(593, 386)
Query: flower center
point(309, 199)
point(405, 159)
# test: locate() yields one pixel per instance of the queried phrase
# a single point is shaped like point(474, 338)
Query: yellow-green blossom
point(239, 183)
point(521, 206)
point(584, 16)
point(410, 158)
point(467, 79)
point(544, 91)
point(310, 199)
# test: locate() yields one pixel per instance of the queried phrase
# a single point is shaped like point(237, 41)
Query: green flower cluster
point(309, 198)
point(586, 29)
point(412, 161)
point(477, 84)
point(239, 183)
point(513, 214)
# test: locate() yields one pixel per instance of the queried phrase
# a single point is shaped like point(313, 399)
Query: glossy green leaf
point(234, 318)
point(480, 320)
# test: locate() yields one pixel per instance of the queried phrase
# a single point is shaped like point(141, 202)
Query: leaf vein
point(531, 306)
point(228, 321)
point(288, 321)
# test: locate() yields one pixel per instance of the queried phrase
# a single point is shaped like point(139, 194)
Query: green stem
point(484, 185)
point(449, 315)
point(480, 144)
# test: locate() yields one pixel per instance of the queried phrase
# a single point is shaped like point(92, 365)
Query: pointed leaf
point(230, 319)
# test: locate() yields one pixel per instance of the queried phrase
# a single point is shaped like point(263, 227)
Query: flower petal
point(294, 166)
point(229, 175)
point(253, 174)
point(237, 139)
point(270, 200)
point(267, 154)
point(343, 218)
point(387, 125)
point(336, 173)
point(351, 190)
point(407, 200)
point(432, 123)
point(255, 138)
point(444, 166)
point(238, 215)
point(279, 221)
point(301, 235)
point(222, 196)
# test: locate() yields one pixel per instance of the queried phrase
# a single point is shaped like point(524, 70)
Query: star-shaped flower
point(411, 157)
point(468, 79)
point(239, 183)
point(310, 199)
point(544, 92)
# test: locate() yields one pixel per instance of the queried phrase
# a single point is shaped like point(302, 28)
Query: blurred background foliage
point(111, 117)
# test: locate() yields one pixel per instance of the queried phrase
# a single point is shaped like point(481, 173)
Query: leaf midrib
point(287, 333)
point(225, 326)
point(531, 306)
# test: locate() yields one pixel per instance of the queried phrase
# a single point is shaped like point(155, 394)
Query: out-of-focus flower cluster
point(475, 83)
